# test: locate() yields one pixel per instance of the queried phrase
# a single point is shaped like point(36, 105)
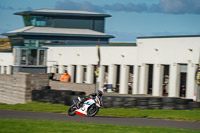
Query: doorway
point(130, 80)
point(150, 79)
point(165, 83)
point(75, 68)
point(183, 79)
point(117, 78)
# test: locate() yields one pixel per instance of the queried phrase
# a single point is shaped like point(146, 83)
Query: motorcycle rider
point(99, 94)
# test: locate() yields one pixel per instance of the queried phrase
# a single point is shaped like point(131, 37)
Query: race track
point(100, 119)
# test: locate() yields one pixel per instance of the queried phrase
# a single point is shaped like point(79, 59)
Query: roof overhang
point(49, 31)
point(62, 13)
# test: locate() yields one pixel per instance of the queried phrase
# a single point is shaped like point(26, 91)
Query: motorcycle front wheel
point(71, 110)
point(92, 110)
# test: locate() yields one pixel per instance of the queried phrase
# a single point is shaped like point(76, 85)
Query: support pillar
point(144, 79)
point(158, 80)
point(112, 73)
point(136, 79)
point(79, 74)
point(90, 74)
point(53, 70)
point(70, 69)
point(61, 69)
point(124, 77)
point(191, 85)
point(48, 69)
point(101, 77)
point(174, 80)
point(2, 70)
point(9, 69)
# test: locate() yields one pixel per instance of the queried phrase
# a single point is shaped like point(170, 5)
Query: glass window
point(39, 43)
point(41, 57)
point(31, 43)
point(27, 20)
point(33, 20)
point(26, 45)
point(55, 41)
point(26, 41)
point(23, 57)
point(38, 21)
point(32, 56)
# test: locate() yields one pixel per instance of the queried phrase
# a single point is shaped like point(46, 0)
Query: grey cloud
point(163, 6)
point(130, 7)
point(177, 6)
point(13, 8)
point(70, 5)
point(27, 8)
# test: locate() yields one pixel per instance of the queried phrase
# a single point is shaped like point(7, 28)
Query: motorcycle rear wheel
point(71, 110)
point(92, 110)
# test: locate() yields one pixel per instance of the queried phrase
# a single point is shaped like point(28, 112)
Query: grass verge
point(46, 126)
point(37, 107)
point(188, 115)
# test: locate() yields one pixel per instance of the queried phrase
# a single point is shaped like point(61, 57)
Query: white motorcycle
point(90, 107)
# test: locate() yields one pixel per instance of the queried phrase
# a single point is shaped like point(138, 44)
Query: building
point(45, 28)
point(173, 59)
point(59, 40)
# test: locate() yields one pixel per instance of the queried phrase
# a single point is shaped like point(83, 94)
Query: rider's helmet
point(100, 93)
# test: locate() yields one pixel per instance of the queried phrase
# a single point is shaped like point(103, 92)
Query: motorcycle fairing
point(83, 109)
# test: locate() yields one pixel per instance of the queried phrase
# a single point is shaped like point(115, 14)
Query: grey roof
point(31, 30)
point(171, 36)
point(62, 13)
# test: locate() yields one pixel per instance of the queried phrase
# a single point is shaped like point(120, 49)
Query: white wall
point(169, 50)
point(88, 55)
point(173, 51)
point(6, 58)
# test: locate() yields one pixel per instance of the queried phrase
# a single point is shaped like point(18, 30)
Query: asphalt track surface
point(100, 119)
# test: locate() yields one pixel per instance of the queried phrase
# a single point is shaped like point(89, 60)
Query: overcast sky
point(130, 18)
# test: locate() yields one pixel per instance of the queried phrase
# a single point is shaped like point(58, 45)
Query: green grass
point(36, 106)
point(188, 115)
point(46, 126)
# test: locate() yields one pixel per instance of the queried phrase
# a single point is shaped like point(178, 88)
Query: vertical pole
point(124, 77)
point(191, 85)
point(98, 66)
point(61, 69)
point(101, 77)
point(158, 80)
point(111, 77)
point(144, 79)
point(174, 80)
point(2, 70)
point(48, 69)
point(54, 69)
point(9, 69)
point(70, 69)
point(79, 75)
point(136, 80)
point(90, 74)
